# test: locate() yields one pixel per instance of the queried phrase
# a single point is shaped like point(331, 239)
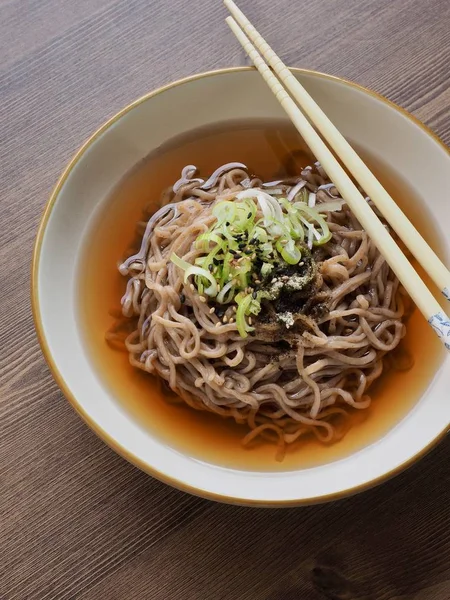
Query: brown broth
point(207, 437)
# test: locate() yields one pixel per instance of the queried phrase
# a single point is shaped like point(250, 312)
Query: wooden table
point(77, 521)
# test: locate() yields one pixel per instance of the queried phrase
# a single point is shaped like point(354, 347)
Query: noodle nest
point(286, 379)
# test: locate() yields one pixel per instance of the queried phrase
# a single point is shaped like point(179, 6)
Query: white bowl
point(367, 119)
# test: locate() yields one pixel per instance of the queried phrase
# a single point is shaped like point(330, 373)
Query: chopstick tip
point(231, 22)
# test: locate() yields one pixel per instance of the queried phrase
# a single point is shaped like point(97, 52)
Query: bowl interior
point(377, 127)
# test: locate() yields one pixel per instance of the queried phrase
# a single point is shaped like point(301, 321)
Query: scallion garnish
point(251, 235)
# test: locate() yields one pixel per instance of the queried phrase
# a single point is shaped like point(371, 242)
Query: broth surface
point(261, 145)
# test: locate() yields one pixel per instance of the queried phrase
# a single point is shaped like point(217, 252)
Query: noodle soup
point(272, 150)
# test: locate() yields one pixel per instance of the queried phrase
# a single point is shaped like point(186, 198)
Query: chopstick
point(406, 231)
point(390, 250)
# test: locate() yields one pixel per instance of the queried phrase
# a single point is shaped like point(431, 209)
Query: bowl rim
point(51, 362)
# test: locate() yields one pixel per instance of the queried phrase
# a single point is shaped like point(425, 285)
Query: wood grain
point(77, 521)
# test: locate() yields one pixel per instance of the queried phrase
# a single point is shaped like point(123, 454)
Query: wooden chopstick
point(360, 171)
point(392, 253)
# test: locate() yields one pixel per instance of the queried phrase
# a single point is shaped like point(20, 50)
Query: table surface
point(77, 521)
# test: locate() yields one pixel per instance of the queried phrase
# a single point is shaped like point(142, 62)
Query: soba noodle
point(293, 374)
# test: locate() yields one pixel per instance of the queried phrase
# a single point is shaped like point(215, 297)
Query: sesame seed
point(257, 281)
point(211, 310)
point(231, 320)
point(218, 324)
point(202, 298)
point(249, 320)
point(191, 287)
point(225, 319)
point(234, 309)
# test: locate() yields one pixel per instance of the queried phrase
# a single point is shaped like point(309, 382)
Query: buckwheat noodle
point(280, 387)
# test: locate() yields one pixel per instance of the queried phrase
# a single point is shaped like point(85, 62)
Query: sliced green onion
point(266, 249)
point(199, 271)
point(310, 227)
point(243, 303)
point(270, 207)
point(296, 228)
point(241, 273)
point(313, 215)
point(289, 251)
point(182, 264)
point(266, 269)
point(221, 296)
point(255, 306)
point(258, 233)
point(226, 269)
point(205, 239)
point(224, 211)
point(246, 211)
